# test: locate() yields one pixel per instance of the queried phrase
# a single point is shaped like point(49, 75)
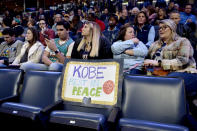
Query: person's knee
point(55, 67)
point(174, 74)
point(25, 67)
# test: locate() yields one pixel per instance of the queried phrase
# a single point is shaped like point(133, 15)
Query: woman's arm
point(45, 58)
point(151, 36)
point(19, 56)
point(70, 48)
point(140, 50)
point(181, 59)
point(37, 55)
point(119, 47)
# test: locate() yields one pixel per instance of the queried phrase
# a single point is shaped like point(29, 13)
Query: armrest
point(10, 99)
point(113, 115)
point(51, 107)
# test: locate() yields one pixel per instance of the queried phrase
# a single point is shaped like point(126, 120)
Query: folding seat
point(39, 92)
point(9, 83)
point(85, 116)
point(152, 104)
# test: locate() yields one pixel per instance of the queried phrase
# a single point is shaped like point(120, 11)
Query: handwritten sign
point(98, 81)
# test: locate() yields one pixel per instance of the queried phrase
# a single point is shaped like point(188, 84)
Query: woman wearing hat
point(173, 54)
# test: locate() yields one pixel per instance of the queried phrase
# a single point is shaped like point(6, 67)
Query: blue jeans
point(136, 72)
point(36, 66)
point(190, 81)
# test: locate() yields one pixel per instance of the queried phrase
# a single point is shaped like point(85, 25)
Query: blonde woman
point(92, 45)
point(173, 54)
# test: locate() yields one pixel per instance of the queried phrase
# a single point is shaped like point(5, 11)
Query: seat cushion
point(20, 109)
point(133, 124)
point(80, 119)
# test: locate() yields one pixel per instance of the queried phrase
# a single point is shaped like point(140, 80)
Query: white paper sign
point(98, 81)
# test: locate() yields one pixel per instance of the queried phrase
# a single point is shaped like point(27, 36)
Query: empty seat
point(40, 91)
point(153, 103)
point(9, 83)
point(83, 116)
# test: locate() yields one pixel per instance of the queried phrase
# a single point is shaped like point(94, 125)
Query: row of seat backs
point(41, 85)
point(153, 103)
point(146, 98)
point(9, 82)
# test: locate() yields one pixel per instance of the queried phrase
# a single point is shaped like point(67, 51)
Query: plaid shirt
point(177, 56)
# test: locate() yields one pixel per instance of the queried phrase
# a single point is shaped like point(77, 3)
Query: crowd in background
point(152, 36)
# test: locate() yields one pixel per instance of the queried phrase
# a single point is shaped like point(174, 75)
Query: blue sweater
point(140, 51)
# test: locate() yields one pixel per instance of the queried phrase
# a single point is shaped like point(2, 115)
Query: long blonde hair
point(95, 33)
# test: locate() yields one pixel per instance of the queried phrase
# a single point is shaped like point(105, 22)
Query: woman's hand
point(15, 64)
point(2, 61)
point(51, 44)
point(129, 52)
point(135, 40)
point(149, 62)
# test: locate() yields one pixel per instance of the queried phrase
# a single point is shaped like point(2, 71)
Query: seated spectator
point(16, 22)
point(143, 30)
point(75, 29)
point(19, 30)
point(92, 45)
point(161, 15)
point(170, 7)
point(45, 32)
point(58, 49)
point(152, 15)
point(66, 18)
point(105, 16)
point(112, 31)
point(187, 17)
point(130, 49)
point(31, 51)
point(133, 14)
point(124, 18)
point(31, 23)
point(92, 17)
point(57, 18)
point(6, 23)
point(176, 7)
point(173, 54)
point(10, 48)
point(184, 31)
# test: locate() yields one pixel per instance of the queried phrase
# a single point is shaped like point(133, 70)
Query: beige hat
point(172, 26)
point(169, 23)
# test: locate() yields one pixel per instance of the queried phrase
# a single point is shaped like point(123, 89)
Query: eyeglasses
point(60, 29)
point(41, 23)
point(163, 27)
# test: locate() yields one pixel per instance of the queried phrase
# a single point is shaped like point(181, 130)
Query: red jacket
point(101, 24)
point(50, 33)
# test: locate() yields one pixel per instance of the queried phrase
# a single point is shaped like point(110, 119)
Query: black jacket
point(104, 50)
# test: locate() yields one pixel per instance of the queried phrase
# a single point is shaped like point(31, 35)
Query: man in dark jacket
point(184, 31)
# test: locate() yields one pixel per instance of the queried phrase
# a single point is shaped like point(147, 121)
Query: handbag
point(157, 71)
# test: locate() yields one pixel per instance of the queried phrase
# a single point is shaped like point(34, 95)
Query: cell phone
point(46, 36)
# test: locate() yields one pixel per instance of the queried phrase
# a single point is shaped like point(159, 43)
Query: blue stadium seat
point(9, 83)
point(39, 92)
point(153, 103)
point(84, 117)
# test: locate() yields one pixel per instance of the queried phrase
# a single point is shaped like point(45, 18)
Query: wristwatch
point(57, 51)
